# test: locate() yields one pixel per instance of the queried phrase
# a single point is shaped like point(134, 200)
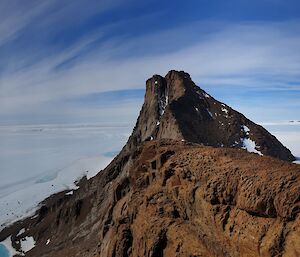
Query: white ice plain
point(288, 133)
point(37, 161)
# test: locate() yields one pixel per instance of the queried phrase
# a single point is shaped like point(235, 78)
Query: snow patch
point(235, 143)
point(27, 243)
point(21, 232)
point(209, 113)
point(246, 129)
point(162, 104)
point(249, 144)
point(157, 123)
point(206, 95)
point(224, 110)
point(48, 241)
point(196, 109)
point(34, 217)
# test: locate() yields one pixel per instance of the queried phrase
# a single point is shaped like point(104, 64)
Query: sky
point(77, 61)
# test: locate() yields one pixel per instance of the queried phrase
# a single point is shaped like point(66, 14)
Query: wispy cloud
point(257, 55)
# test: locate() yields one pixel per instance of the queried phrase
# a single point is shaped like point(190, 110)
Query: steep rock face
point(176, 108)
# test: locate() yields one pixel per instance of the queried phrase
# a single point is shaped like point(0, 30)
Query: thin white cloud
point(233, 54)
point(15, 15)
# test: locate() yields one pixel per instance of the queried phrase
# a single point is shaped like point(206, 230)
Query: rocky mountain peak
point(176, 108)
point(169, 88)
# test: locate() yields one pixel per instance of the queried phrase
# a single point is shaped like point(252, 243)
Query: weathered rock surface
point(172, 198)
point(166, 194)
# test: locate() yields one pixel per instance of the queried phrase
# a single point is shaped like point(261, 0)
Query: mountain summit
point(181, 186)
point(176, 108)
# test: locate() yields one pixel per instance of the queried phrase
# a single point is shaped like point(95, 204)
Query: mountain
point(176, 108)
point(181, 186)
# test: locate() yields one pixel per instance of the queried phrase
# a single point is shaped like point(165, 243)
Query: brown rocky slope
point(170, 197)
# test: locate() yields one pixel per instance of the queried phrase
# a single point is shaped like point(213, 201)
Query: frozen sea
point(288, 133)
point(39, 160)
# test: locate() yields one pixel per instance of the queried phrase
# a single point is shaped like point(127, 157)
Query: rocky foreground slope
point(166, 194)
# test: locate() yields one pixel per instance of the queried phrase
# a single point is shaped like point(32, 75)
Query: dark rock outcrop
point(176, 108)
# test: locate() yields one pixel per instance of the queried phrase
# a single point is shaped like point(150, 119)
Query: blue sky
point(87, 61)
